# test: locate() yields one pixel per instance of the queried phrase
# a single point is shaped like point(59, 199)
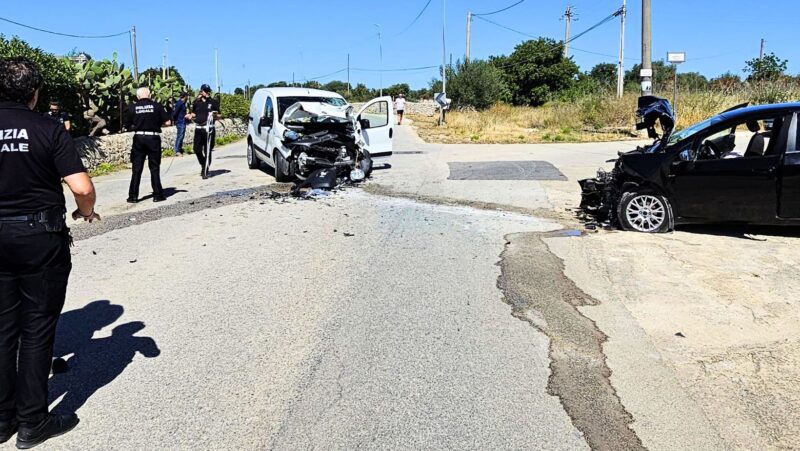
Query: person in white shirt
point(400, 107)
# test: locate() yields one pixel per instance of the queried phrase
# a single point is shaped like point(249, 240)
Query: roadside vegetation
point(536, 95)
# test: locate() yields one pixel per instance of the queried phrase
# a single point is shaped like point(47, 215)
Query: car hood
point(305, 112)
point(652, 110)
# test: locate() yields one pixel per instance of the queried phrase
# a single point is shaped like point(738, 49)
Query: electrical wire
point(406, 69)
point(65, 34)
point(424, 8)
point(501, 10)
point(507, 28)
point(602, 22)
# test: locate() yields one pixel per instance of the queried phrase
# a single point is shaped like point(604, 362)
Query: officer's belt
point(148, 133)
point(24, 218)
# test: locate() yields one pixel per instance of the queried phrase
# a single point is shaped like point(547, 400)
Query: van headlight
point(291, 135)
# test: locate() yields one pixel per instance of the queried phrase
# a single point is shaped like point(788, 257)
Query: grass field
point(588, 119)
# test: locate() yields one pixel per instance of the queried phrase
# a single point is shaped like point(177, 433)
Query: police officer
point(36, 153)
point(201, 109)
point(146, 117)
point(57, 114)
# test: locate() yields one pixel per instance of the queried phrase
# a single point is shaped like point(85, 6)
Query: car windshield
point(286, 102)
point(692, 130)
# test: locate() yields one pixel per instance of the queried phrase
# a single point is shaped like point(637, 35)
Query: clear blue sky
point(264, 41)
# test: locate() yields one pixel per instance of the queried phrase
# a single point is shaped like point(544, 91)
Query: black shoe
point(159, 198)
point(133, 200)
point(51, 426)
point(7, 430)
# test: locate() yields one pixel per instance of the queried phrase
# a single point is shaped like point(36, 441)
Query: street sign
point(676, 57)
point(441, 100)
point(646, 73)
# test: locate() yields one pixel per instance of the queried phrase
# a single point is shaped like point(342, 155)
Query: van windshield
point(286, 102)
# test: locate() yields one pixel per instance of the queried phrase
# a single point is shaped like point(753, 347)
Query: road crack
point(534, 284)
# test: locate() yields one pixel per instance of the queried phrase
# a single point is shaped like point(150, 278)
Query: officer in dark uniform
point(146, 117)
point(36, 153)
point(57, 114)
point(201, 109)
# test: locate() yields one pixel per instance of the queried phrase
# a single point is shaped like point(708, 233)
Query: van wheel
point(252, 159)
point(644, 211)
point(366, 164)
point(282, 172)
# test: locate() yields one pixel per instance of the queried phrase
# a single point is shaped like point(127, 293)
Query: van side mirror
point(264, 122)
point(364, 123)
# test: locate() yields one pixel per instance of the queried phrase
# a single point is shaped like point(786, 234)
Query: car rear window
point(286, 102)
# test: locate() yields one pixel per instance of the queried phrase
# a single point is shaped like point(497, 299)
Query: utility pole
point(216, 68)
point(621, 68)
point(568, 15)
point(166, 59)
point(647, 67)
point(761, 53)
point(380, 49)
point(135, 59)
point(348, 75)
point(469, 35)
point(444, 59)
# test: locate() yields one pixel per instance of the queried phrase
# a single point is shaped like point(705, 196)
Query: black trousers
point(199, 145)
point(34, 269)
point(146, 147)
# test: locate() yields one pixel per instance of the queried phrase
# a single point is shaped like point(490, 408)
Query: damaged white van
point(298, 131)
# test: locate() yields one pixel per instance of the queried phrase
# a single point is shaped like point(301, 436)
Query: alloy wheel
point(646, 213)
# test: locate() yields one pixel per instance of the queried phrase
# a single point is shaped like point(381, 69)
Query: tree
point(396, 89)
point(312, 84)
point(278, 84)
point(361, 93)
point(537, 71)
point(339, 87)
point(662, 78)
point(151, 73)
point(604, 74)
point(238, 91)
point(727, 82)
point(60, 82)
point(478, 84)
point(768, 68)
point(693, 81)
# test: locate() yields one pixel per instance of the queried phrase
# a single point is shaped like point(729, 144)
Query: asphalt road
point(419, 311)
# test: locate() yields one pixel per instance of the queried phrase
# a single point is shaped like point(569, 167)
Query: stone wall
point(115, 149)
point(424, 108)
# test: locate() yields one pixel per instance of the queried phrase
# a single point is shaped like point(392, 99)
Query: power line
point(424, 8)
point(500, 10)
point(604, 21)
point(507, 28)
point(64, 34)
point(406, 69)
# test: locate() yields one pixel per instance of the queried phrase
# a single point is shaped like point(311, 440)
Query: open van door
point(377, 126)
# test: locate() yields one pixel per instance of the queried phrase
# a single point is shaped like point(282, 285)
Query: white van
point(300, 130)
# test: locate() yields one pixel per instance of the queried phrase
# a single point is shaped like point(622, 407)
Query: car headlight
point(291, 135)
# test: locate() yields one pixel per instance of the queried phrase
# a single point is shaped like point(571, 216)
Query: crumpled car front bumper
point(600, 197)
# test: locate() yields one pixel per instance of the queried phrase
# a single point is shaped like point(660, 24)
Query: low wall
point(425, 108)
point(115, 149)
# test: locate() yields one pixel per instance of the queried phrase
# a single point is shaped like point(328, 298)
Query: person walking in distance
point(36, 153)
point(179, 118)
point(400, 107)
point(204, 109)
point(146, 117)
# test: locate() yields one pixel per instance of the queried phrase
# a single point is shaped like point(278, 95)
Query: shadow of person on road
point(216, 172)
point(96, 361)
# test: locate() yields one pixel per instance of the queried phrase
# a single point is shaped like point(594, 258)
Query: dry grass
point(588, 119)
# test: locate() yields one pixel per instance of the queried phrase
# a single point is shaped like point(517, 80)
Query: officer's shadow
point(95, 362)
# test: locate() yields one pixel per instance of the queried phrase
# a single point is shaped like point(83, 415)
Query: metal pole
point(647, 67)
point(135, 57)
point(166, 60)
point(469, 35)
point(675, 91)
point(761, 52)
point(380, 50)
point(348, 75)
point(216, 67)
point(621, 68)
point(444, 59)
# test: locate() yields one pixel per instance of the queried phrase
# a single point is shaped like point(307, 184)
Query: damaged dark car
point(741, 166)
point(308, 134)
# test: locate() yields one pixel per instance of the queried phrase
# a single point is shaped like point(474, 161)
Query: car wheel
point(366, 164)
point(252, 159)
point(282, 174)
point(645, 212)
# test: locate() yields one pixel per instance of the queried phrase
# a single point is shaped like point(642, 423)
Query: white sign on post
point(676, 57)
point(441, 100)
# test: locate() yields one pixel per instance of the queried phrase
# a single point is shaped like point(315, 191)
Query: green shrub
point(234, 107)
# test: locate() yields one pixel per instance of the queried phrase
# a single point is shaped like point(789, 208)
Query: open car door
point(377, 127)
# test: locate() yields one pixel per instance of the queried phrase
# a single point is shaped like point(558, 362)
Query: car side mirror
point(364, 123)
point(686, 155)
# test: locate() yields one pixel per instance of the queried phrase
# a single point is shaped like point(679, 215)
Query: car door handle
point(764, 171)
